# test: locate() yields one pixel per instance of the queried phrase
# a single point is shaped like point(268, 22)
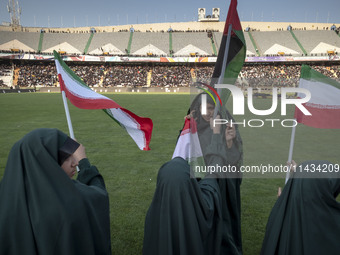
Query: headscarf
point(192, 216)
point(306, 217)
point(203, 126)
point(184, 214)
point(67, 149)
point(229, 221)
point(43, 211)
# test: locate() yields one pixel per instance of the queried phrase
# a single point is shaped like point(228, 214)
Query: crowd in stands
point(280, 75)
point(31, 75)
point(5, 69)
point(96, 75)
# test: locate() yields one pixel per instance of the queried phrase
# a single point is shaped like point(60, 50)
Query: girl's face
point(210, 112)
point(70, 166)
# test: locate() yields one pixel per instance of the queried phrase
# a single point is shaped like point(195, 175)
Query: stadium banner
point(324, 104)
point(120, 59)
point(83, 97)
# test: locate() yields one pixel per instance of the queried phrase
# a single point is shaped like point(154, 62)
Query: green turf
point(130, 174)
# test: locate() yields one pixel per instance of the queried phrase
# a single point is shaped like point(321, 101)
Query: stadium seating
point(275, 42)
point(71, 43)
point(29, 39)
point(6, 75)
point(157, 39)
point(198, 39)
point(251, 52)
point(269, 43)
point(118, 39)
point(311, 39)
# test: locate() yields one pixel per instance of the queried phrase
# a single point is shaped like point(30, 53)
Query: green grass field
point(130, 174)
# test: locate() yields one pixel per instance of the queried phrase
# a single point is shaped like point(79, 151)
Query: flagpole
point(68, 117)
point(224, 64)
point(290, 153)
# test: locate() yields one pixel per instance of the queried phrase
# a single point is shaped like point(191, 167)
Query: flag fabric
point(324, 104)
point(188, 145)
point(236, 51)
point(82, 96)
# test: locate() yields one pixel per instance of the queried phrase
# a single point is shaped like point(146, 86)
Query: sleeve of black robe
point(89, 174)
point(91, 185)
point(228, 226)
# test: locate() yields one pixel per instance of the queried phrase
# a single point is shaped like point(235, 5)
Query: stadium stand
point(184, 43)
point(156, 43)
point(68, 43)
point(102, 42)
point(312, 39)
point(22, 41)
point(88, 43)
point(6, 75)
point(276, 43)
point(147, 57)
point(35, 74)
point(190, 43)
point(217, 38)
point(251, 51)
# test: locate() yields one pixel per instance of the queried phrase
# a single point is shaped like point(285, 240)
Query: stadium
point(149, 68)
point(157, 53)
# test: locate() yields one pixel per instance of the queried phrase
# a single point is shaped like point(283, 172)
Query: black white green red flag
point(188, 145)
point(82, 96)
point(236, 52)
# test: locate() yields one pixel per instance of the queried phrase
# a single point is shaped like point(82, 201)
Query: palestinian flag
point(324, 104)
point(236, 52)
point(81, 96)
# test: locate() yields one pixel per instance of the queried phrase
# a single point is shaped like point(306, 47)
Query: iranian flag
point(229, 64)
point(81, 96)
point(188, 145)
point(324, 104)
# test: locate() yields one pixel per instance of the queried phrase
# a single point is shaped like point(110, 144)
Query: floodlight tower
point(14, 12)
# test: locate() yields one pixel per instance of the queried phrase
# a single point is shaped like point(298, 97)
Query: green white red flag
point(82, 96)
point(324, 104)
point(188, 145)
point(186, 140)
